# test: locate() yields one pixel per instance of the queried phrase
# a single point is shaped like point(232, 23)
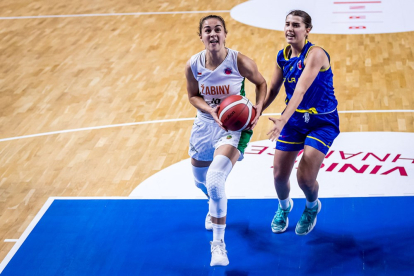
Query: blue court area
point(353, 236)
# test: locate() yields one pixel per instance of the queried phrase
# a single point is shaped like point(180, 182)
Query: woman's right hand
point(276, 129)
point(214, 114)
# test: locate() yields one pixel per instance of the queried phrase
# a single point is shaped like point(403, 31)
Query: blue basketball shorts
point(314, 130)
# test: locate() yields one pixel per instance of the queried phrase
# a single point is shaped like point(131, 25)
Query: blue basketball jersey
point(319, 98)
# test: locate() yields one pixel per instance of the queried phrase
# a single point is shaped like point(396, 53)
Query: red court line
point(360, 12)
point(355, 22)
point(367, 2)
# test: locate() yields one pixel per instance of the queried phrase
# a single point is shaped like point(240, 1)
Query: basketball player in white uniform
point(213, 75)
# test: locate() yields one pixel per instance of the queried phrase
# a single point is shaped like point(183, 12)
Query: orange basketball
point(236, 113)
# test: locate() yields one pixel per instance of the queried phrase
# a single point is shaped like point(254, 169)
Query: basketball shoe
point(308, 220)
point(280, 221)
point(218, 254)
point(208, 223)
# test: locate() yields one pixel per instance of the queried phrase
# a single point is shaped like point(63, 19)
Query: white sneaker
point(218, 254)
point(208, 223)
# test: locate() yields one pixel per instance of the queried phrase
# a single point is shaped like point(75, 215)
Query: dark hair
point(200, 25)
point(305, 17)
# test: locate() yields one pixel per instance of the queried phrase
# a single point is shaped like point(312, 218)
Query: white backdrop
point(331, 17)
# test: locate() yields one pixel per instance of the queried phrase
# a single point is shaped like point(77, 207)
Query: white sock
point(284, 203)
point(311, 204)
point(218, 232)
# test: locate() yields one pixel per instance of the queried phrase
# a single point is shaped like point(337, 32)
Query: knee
point(305, 180)
point(199, 174)
point(279, 175)
point(216, 184)
point(217, 175)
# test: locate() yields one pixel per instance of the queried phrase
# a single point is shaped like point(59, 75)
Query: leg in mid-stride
point(224, 159)
point(307, 172)
point(214, 173)
point(283, 164)
point(306, 175)
point(200, 169)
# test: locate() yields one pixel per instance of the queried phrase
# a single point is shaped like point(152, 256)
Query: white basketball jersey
point(214, 86)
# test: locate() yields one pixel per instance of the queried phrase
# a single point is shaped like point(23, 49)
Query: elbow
point(263, 84)
point(273, 92)
point(300, 92)
point(191, 99)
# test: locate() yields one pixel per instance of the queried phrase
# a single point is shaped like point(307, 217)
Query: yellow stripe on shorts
point(318, 140)
point(289, 142)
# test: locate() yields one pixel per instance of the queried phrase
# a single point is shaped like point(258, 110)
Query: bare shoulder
point(317, 56)
point(188, 64)
point(244, 60)
point(188, 72)
point(246, 65)
point(317, 52)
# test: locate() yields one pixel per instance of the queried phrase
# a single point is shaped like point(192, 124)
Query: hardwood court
point(78, 72)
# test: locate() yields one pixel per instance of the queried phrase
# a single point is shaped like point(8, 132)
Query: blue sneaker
point(280, 221)
point(308, 220)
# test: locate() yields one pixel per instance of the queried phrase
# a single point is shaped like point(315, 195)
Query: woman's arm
point(248, 69)
point(275, 84)
point(194, 97)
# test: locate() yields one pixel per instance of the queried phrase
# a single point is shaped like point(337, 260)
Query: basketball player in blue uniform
point(213, 75)
point(309, 122)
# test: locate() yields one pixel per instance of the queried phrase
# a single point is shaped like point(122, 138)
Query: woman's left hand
point(276, 129)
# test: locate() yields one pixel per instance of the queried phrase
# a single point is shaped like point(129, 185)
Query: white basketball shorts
point(207, 136)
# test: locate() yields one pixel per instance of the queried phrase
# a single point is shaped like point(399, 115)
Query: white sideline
point(105, 14)
point(173, 120)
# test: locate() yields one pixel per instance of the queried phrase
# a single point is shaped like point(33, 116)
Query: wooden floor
point(77, 72)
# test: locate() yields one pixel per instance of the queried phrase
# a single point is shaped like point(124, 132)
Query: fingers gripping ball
point(236, 113)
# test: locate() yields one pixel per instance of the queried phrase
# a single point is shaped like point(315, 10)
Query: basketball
point(236, 113)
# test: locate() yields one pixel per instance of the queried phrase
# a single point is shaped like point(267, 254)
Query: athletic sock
point(218, 232)
point(284, 204)
point(312, 204)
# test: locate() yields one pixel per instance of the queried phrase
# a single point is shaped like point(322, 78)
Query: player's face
point(213, 35)
point(295, 29)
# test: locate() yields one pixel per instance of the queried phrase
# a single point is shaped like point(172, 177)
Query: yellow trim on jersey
point(311, 110)
point(278, 65)
point(284, 52)
point(322, 70)
point(318, 140)
point(309, 50)
point(289, 142)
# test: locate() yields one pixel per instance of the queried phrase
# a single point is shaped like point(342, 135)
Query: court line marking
point(171, 120)
point(359, 12)
point(25, 234)
point(106, 14)
point(36, 220)
point(359, 2)
point(353, 22)
point(11, 240)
